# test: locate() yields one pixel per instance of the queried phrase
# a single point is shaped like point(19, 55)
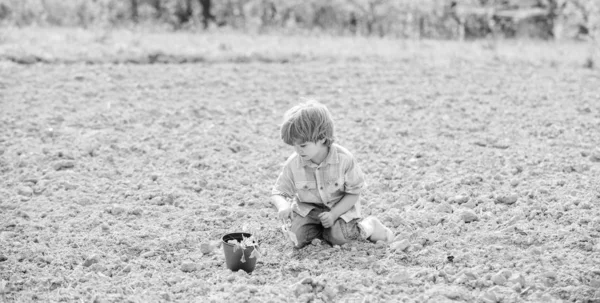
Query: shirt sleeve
point(354, 178)
point(284, 186)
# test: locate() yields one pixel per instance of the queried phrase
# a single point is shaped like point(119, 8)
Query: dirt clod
point(25, 191)
point(444, 207)
point(468, 216)
point(64, 164)
point(507, 199)
point(499, 279)
point(117, 210)
point(93, 259)
point(206, 248)
point(188, 267)
point(400, 245)
point(138, 141)
point(460, 199)
point(300, 289)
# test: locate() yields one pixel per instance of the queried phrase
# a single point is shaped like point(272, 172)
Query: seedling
point(246, 243)
point(286, 229)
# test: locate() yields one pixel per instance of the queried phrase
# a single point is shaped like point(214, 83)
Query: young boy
point(324, 181)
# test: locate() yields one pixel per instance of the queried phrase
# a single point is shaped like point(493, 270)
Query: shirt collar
point(332, 158)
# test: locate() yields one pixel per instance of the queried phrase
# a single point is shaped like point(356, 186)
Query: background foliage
point(396, 18)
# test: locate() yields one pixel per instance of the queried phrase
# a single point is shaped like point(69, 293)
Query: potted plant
point(241, 251)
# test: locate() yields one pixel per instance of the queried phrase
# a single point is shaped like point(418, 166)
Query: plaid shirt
point(308, 183)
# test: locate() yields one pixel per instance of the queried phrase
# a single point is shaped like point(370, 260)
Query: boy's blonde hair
point(307, 122)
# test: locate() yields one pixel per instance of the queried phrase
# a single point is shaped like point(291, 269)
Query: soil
point(118, 181)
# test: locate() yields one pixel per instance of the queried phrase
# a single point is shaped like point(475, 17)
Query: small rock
point(93, 259)
point(98, 299)
point(25, 191)
point(307, 280)
point(380, 268)
point(158, 200)
point(489, 297)
point(444, 208)
point(65, 155)
point(316, 242)
point(471, 204)
point(3, 258)
point(136, 211)
point(452, 294)
point(206, 248)
point(117, 210)
point(498, 279)
point(329, 293)
point(400, 245)
point(66, 164)
point(595, 283)
point(507, 199)
point(148, 254)
point(468, 216)
point(30, 180)
point(399, 278)
point(470, 275)
point(460, 199)
point(165, 296)
point(300, 289)
point(595, 157)
point(517, 278)
point(188, 267)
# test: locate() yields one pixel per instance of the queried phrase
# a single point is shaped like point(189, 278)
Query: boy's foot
point(371, 228)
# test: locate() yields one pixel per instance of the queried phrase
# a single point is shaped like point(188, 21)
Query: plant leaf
point(255, 253)
point(293, 238)
point(289, 234)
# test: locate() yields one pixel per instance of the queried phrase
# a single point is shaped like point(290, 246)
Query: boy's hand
point(327, 219)
point(285, 213)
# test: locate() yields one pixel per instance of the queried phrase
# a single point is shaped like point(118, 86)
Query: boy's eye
point(303, 146)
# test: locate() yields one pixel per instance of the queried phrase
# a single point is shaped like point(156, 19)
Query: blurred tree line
point(438, 19)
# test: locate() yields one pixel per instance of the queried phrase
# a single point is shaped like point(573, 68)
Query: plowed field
point(113, 176)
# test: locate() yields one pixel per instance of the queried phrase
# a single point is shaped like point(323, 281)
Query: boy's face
point(313, 151)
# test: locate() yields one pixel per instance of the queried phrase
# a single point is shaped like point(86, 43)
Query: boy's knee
point(336, 235)
point(305, 234)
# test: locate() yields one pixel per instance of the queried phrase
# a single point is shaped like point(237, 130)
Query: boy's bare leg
point(372, 229)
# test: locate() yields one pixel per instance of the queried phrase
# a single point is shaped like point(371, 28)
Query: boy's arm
point(280, 202)
point(353, 186)
point(284, 208)
point(283, 189)
point(344, 205)
point(329, 218)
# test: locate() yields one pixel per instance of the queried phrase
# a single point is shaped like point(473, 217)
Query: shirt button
point(321, 187)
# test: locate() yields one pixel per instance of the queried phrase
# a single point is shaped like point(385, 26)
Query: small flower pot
point(237, 257)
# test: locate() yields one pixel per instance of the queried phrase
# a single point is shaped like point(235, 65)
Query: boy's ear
point(322, 141)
